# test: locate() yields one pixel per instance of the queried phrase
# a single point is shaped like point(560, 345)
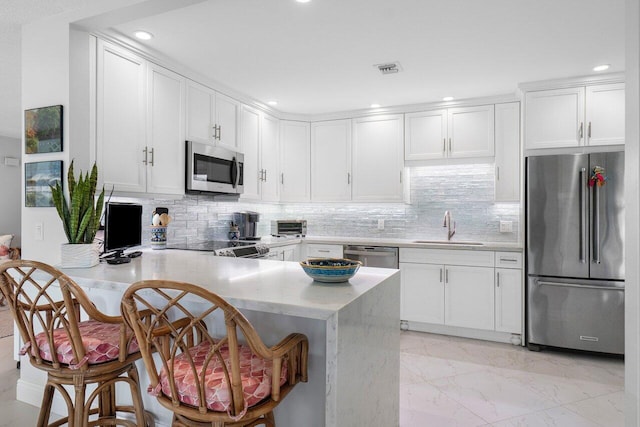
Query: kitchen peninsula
point(352, 329)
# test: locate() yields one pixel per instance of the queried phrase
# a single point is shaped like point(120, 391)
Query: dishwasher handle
point(368, 253)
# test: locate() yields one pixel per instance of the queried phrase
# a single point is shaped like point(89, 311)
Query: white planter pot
point(79, 255)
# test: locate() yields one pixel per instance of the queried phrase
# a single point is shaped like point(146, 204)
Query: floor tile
point(605, 410)
point(554, 417)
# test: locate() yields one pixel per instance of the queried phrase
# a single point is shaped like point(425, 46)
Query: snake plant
point(81, 215)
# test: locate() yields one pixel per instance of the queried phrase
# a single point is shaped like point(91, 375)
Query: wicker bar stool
point(210, 381)
point(67, 337)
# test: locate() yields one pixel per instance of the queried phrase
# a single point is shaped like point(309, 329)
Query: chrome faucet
point(447, 224)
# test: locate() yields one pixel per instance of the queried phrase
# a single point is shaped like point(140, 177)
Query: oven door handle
point(235, 173)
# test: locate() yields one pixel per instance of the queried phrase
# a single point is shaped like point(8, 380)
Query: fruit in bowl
point(330, 270)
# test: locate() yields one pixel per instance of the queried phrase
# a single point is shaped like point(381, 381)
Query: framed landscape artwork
point(43, 130)
point(38, 177)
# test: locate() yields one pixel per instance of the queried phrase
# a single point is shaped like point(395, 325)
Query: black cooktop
point(209, 245)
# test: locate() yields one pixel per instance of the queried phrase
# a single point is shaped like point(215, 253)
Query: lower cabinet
point(285, 253)
point(320, 250)
point(462, 292)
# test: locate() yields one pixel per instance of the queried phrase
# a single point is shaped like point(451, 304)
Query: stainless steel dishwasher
point(373, 256)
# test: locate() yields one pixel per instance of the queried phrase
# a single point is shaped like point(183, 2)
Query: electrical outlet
point(381, 224)
point(506, 226)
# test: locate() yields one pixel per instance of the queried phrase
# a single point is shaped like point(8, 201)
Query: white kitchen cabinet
point(212, 117)
point(508, 300)
point(165, 131)
point(422, 295)
point(509, 289)
point(450, 133)
point(259, 136)
point(295, 161)
point(573, 117)
point(378, 161)
point(469, 296)
point(507, 144)
point(321, 250)
point(331, 161)
point(604, 115)
point(121, 119)
point(286, 253)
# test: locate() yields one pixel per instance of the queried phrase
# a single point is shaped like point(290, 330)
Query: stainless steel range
point(229, 248)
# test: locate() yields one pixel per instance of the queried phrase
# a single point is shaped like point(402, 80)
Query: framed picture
point(38, 177)
point(43, 130)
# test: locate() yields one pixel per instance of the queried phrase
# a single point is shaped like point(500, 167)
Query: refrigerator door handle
point(595, 240)
point(571, 285)
point(583, 216)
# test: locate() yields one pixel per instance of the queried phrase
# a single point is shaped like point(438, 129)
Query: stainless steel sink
point(446, 242)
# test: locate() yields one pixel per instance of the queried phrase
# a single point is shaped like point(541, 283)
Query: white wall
point(10, 181)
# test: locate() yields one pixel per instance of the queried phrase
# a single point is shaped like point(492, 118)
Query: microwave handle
point(235, 173)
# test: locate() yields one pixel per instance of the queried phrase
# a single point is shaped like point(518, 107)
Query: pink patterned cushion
point(101, 343)
point(255, 371)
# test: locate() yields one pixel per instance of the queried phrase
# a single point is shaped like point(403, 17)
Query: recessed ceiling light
point(602, 67)
point(448, 98)
point(303, 1)
point(375, 105)
point(273, 103)
point(143, 35)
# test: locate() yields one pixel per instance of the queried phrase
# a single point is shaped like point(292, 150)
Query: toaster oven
point(289, 227)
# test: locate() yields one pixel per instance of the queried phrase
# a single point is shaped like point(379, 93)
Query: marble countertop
point(254, 284)
point(401, 243)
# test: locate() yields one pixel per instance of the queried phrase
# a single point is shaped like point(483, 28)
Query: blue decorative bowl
point(330, 270)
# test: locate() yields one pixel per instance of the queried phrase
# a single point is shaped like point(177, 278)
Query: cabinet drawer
point(324, 251)
point(508, 259)
point(447, 256)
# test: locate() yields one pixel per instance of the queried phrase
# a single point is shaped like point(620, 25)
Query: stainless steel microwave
point(213, 169)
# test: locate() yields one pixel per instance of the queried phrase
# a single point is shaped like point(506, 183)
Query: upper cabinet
point(139, 124)
point(507, 173)
point(573, 117)
point(212, 117)
point(259, 135)
point(331, 161)
point(295, 160)
point(450, 133)
point(378, 163)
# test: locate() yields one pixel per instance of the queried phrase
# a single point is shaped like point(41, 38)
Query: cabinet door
point(378, 158)
point(422, 293)
point(199, 113)
point(250, 137)
point(289, 253)
point(469, 297)
point(605, 114)
point(165, 131)
point(554, 118)
point(120, 123)
point(269, 131)
point(425, 135)
point(507, 178)
point(509, 300)
point(226, 118)
point(295, 162)
point(331, 161)
point(471, 132)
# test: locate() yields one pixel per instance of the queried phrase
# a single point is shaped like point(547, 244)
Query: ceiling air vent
point(389, 67)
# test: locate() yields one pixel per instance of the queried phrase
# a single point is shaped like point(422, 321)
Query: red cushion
point(255, 371)
point(101, 343)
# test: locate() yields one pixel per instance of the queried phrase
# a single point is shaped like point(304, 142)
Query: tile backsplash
point(467, 191)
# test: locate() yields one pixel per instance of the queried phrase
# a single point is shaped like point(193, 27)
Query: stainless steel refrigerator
point(575, 251)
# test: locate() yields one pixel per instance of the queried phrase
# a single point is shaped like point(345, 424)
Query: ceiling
point(319, 57)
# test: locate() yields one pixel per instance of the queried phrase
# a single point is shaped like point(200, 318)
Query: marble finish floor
point(447, 381)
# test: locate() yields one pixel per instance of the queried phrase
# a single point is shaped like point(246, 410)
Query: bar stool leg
point(45, 407)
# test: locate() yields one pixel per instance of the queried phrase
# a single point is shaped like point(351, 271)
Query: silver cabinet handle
point(324, 251)
point(282, 178)
point(152, 157)
point(440, 275)
point(400, 177)
point(508, 259)
point(265, 175)
point(219, 132)
point(446, 275)
point(498, 173)
point(348, 178)
point(449, 145)
point(583, 216)
point(589, 131)
point(144, 160)
point(215, 131)
point(444, 145)
point(580, 132)
point(498, 279)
